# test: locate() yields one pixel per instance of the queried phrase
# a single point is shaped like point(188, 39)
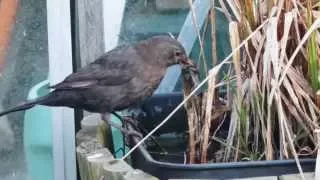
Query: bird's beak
point(185, 61)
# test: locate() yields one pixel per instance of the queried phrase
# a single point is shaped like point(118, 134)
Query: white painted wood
point(90, 29)
point(112, 14)
point(60, 65)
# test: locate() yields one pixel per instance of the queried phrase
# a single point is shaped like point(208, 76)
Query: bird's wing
point(114, 68)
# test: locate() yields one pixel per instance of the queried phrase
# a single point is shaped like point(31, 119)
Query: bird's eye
point(178, 53)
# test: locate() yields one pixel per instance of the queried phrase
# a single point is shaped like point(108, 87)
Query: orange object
point(8, 11)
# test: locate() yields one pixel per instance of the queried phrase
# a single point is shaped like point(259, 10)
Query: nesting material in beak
point(185, 61)
point(187, 64)
point(190, 74)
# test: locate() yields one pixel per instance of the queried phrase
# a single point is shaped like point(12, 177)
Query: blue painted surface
point(117, 138)
point(187, 38)
point(38, 137)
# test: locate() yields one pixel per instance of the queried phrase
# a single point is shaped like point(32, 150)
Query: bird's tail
point(25, 105)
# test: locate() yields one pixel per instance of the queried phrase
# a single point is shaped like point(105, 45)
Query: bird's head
point(168, 51)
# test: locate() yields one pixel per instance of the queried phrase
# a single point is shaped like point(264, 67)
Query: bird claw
point(190, 67)
point(122, 129)
point(133, 123)
point(127, 132)
point(133, 133)
point(129, 120)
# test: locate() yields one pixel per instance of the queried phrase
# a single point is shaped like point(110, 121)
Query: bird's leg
point(145, 131)
point(188, 65)
point(123, 130)
point(132, 121)
point(192, 68)
point(126, 119)
point(141, 127)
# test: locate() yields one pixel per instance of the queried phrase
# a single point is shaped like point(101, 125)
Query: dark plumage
point(118, 79)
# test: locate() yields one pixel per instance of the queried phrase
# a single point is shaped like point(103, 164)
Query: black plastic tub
point(156, 108)
point(153, 110)
point(141, 159)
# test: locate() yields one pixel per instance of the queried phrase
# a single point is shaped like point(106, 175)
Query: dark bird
point(117, 80)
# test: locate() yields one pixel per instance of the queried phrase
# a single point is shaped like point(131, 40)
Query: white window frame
point(60, 65)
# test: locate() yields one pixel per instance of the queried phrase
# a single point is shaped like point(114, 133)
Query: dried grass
point(273, 104)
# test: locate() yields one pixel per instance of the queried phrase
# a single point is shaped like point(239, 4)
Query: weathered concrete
point(308, 176)
point(258, 178)
point(90, 30)
point(95, 161)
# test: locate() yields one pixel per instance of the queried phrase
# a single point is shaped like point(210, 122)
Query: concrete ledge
point(308, 176)
point(258, 178)
point(96, 162)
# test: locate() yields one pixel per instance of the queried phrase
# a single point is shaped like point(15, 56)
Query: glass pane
point(25, 139)
point(143, 19)
point(140, 20)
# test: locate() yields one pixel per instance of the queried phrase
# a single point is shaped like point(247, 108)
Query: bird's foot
point(127, 119)
point(122, 129)
point(132, 133)
point(131, 121)
point(126, 132)
point(134, 124)
point(190, 67)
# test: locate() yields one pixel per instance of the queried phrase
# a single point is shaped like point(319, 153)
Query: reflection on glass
point(143, 19)
point(23, 64)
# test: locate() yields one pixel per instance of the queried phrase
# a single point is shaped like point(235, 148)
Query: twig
point(312, 28)
point(225, 144)
point(195, 23)
point(208, 115)
point(190, 81)
point(213, 34)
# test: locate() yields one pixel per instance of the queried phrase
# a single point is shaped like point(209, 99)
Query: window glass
point(143, 19)
point(25, 142)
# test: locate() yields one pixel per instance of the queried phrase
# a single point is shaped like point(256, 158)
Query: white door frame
point(60, 65)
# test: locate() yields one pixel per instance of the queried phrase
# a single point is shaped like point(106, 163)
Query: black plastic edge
point(166, 170)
